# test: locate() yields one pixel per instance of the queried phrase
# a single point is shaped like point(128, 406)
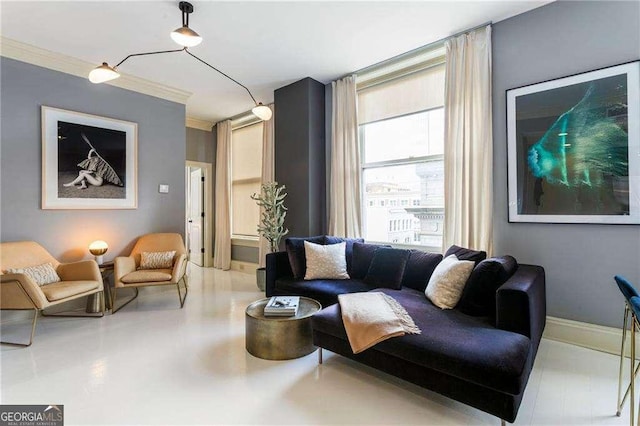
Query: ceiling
point(264, 45)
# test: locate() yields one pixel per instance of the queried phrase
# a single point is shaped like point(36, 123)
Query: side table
point(280, 338)
point(93, 300)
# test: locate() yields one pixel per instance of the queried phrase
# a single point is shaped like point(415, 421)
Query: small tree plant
point(271, 226)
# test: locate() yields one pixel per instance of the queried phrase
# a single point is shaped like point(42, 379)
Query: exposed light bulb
point(186, 37)
point(102, 74)
point(263, 112)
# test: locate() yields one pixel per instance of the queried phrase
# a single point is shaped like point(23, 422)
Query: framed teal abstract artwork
point(573, 148)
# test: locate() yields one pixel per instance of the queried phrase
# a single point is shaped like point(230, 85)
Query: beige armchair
point(19, 292)
point(128, 275)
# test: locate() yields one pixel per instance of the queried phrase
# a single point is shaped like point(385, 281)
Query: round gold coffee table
point(279, 338)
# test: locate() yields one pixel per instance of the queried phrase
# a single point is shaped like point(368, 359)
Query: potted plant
point(271, 226)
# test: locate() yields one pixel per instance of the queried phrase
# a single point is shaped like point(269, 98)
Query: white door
point(194, 215)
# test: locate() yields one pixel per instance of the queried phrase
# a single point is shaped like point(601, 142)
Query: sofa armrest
point(85, 270)
point(521, 304)
point(121, 267)
point(277, 267)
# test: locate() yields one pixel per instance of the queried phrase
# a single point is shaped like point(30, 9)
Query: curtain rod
point(417, 49)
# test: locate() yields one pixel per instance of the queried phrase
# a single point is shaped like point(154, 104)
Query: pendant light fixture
point(185, 37)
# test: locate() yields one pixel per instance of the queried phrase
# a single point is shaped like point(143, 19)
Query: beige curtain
point(345, 219)
point(268, 174)
point(468, 152)
point(222, 245)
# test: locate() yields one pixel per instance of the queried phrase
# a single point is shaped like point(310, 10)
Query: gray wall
point(244, 253)
point(200, 146)
point(553, 41)
point(300, 154)
point(67, 233)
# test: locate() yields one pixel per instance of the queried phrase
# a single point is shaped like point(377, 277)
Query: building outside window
point(401, 132)
point(246, 173)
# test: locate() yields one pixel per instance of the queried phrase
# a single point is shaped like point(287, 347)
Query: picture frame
point(88, 161)
point(573, 148)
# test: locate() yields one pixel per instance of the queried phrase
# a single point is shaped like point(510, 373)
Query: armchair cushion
point(40, 274)
point(147, 276)
point(157, 259)
point(84, 270)
point(65, 289)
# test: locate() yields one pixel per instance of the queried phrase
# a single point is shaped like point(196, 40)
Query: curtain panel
point(468, 150)
point(222, 244)
point(345, 218)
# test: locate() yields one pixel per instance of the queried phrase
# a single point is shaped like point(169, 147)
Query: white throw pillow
point(40, 274)
point(157, 259)
point(447, 281)
point(328, 262)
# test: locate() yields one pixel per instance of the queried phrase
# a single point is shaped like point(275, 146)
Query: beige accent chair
point(19, 292)
point(127, 275)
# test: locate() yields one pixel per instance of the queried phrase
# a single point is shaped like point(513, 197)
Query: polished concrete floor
point(153, 363)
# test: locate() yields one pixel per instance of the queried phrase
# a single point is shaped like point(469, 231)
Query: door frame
point(207, 223)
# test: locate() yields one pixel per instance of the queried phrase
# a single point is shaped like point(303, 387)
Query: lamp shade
point(98, 248)
point(186, 37)
point(103, 73)
point(263, 112)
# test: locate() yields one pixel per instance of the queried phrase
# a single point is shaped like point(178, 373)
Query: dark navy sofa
point(482, 358)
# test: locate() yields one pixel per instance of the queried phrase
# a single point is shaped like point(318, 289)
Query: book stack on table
point(282, 306)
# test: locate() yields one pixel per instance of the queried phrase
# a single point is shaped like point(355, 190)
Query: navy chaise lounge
point(480, 360)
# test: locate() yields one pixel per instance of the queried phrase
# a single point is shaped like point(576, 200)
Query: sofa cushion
point(325, 261)
point(447, 282)
point(387, 268)
point(324, 291)
point(361, 258)
point(479, 295)
point(467, 347)
point(466, 254)
point(295, 252)
point(419, 268)
point(63, 289)
point(328, 239)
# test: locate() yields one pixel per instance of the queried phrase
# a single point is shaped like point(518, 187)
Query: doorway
point(198, 212)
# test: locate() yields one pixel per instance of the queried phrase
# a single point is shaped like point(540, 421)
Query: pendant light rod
point(149, 53)
point(226, 75)
point(184, 49)
point(185, 37)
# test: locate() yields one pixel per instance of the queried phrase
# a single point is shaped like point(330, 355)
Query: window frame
point(390, 163)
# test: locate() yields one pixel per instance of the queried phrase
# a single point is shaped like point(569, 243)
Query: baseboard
point(592, 336)
point(246, 267)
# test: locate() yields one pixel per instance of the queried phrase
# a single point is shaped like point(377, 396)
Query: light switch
point(163, 189)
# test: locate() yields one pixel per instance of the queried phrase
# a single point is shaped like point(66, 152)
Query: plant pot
point(261, 278)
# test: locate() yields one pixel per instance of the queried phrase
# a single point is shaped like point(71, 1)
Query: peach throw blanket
point(373, 317)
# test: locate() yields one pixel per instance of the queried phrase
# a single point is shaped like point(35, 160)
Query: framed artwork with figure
point(573, 148)
point(88, 162)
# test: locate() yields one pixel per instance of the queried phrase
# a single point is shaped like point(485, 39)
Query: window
point(246, 173)
point(401, 132)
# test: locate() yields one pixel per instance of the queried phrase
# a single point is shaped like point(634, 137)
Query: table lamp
point(98, 248)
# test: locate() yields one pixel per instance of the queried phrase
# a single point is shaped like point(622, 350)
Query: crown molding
point(197, 123)
point(23, 52)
